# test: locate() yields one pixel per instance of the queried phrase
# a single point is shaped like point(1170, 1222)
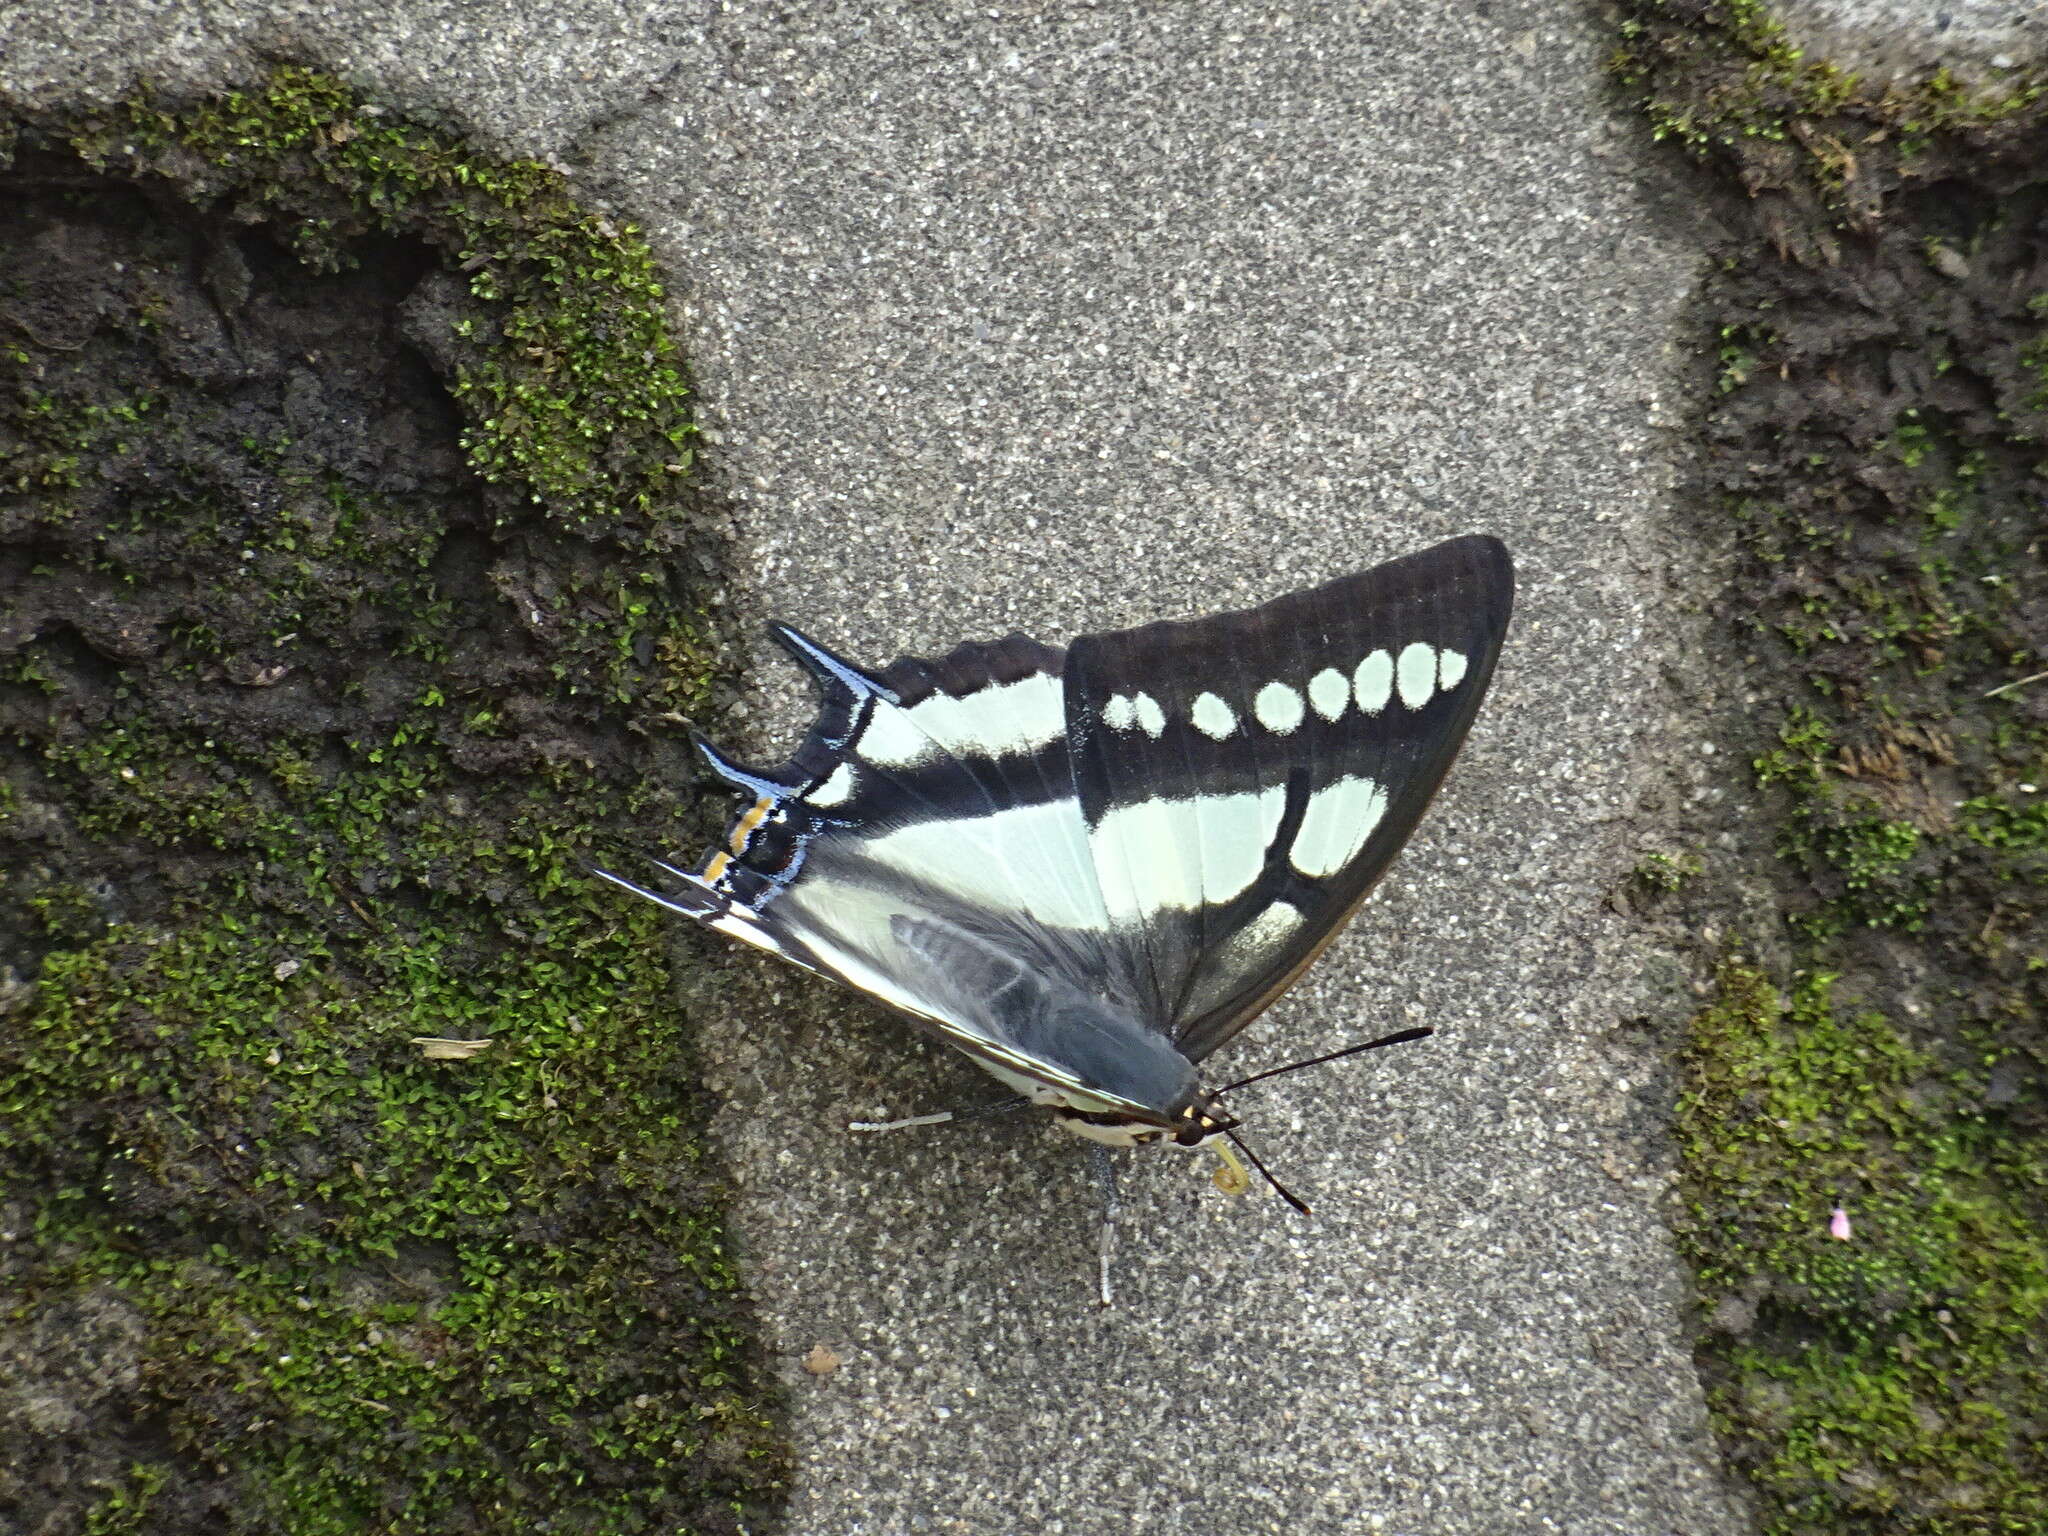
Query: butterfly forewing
point(1247, 777)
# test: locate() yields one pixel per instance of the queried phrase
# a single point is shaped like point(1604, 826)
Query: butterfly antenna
point(1281, 1189)
point(1350, 1050)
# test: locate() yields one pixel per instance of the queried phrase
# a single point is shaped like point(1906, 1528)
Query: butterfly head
point(1195, 1124)
point(1203, 1120)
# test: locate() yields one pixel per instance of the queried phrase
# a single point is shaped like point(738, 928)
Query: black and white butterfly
point(1090, 868)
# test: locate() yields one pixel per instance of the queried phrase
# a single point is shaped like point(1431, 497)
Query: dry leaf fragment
point(434, 1048)
point(821, 1361)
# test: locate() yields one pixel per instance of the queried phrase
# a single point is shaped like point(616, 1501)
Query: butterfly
point(1090, 868)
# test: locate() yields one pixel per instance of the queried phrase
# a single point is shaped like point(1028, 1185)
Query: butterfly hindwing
point(924, 845)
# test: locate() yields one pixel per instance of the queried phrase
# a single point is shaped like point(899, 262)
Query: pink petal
point(1838, 1226)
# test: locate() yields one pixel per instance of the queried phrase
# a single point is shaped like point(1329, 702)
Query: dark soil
point(1865, 1116)
point(205, 390)
point(347, 566)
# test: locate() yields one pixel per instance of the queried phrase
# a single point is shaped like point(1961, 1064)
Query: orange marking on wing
point(743, 830)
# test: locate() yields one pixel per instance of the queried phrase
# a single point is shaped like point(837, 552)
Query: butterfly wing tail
point(703, 903)
point(696, 899)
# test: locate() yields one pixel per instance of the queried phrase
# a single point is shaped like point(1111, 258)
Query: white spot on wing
point(1124, 712)
point(1009, 717)
point(1183, 853)
point(1033, 859)
point(1236, 832)
point(1450, 669)
point(1339, 818)
point(1213, 718)
point(1329, 692)
point(1268, 930)
point(1278, 707)
point(1145, 859)
point(849, 925)
point(746, 932)
point(1373, 682)
point(889, 740)
point(1415, 675)
point(846, 924)
point(836, 790)
point(1246, 953)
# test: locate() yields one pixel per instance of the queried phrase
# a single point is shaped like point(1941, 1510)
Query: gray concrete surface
point(1980, 41)
point(1066, 316)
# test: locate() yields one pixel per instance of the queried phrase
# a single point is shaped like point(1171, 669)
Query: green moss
point(2016, 822)
point(1664, 873)
point(1881, 1370)
point(2034, 356)
point(571, 386)
point(1900, 1343)
point(1741, 345)
point(1758, 78)
point(378, 1292)
point(50, 444)
point(1886, 655)
point(1711, 76)
point(536, 1203)
point(125, 1509)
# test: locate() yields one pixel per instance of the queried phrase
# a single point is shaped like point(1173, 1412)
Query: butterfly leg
point(1105, 1177)
point(900, 1125)
point(1000, 1107)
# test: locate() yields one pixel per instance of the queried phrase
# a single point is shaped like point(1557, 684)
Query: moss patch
point(348, 547)
point(1876, 427)
point(1867, 1227)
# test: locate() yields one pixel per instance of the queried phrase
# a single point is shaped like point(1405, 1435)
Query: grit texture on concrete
point(1979, 41)
point(1069, 316)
